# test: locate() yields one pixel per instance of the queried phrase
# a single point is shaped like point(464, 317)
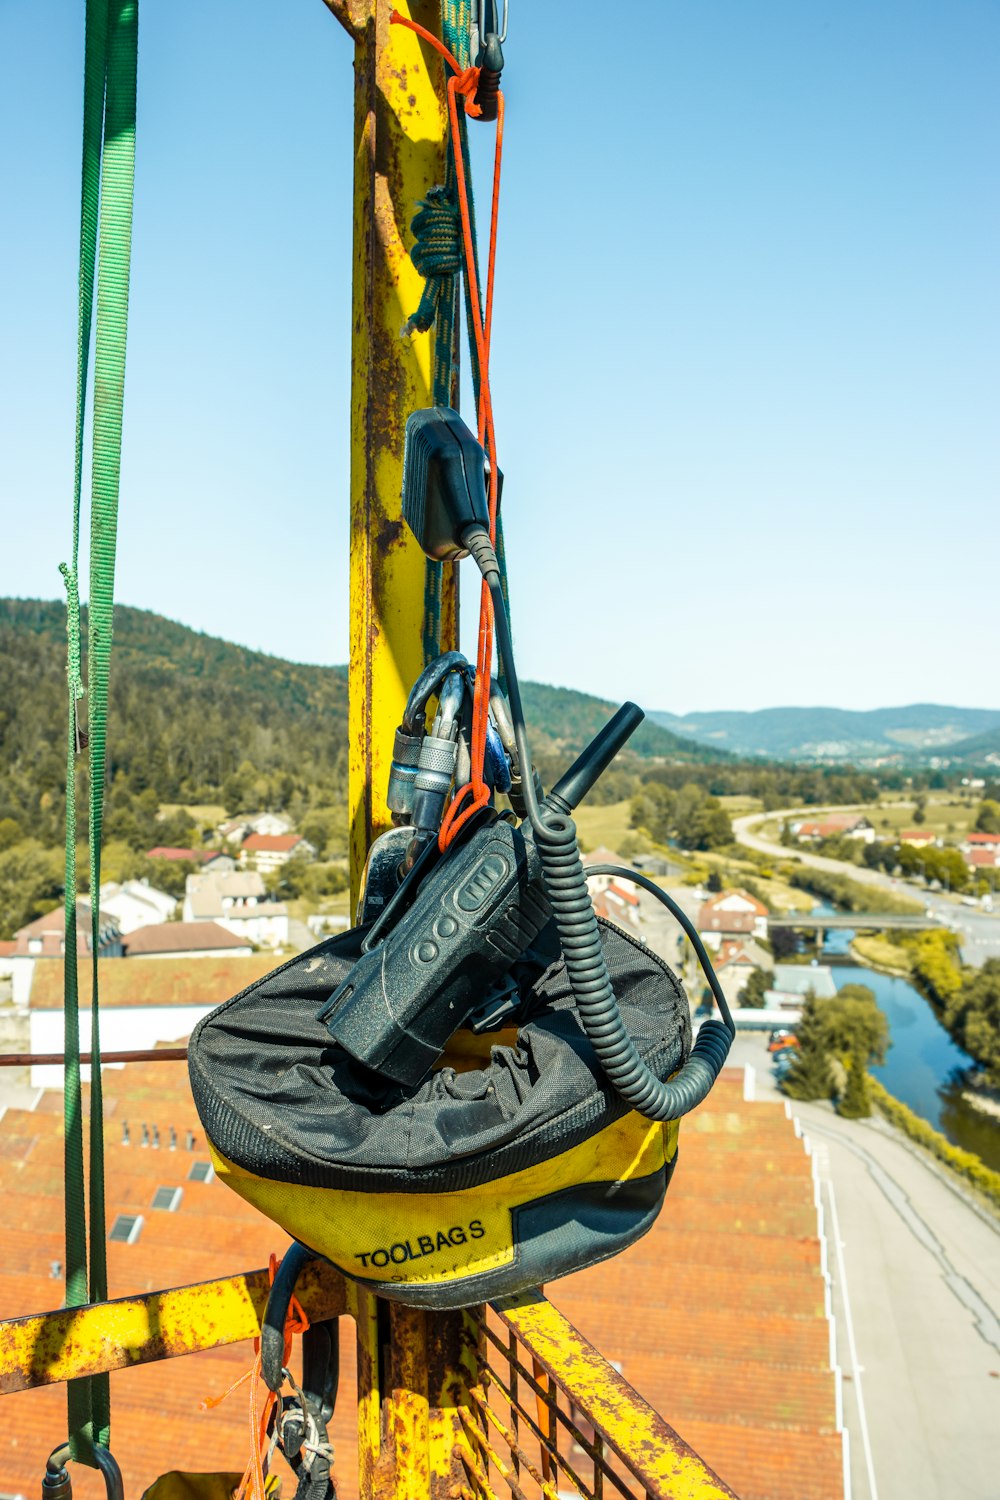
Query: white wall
point(123, 1028)
point(22, 972)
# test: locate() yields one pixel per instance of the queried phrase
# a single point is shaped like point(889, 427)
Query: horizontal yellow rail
point(650, 1449)
point(49, 1347)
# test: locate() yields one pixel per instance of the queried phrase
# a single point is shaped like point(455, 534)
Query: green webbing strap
point(106, 197)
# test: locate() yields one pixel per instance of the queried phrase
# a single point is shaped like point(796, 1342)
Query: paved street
point(915, 1283)
point(978, 931)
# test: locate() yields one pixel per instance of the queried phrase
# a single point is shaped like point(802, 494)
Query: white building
point(136, 903)
point(143, 1003)
point(268, 851)
point(238, 902)
point(269, 823)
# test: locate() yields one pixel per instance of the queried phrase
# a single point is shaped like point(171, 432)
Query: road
point(915, 1290)
point(978, 931)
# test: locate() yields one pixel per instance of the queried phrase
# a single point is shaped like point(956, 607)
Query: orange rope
point(260, 1415)
point(465, 83)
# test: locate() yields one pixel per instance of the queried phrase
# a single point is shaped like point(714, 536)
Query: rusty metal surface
point(350, 14)
point(400, 124)
point(651, 1451)
point(37, 1059)
point(56, 1346)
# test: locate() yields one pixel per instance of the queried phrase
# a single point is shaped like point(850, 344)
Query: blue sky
point(745, 351)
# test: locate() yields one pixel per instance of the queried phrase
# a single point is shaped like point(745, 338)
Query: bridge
point(854, 921)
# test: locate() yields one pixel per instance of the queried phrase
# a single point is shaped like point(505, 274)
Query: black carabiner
point(272, 1328)
point(57, 1484)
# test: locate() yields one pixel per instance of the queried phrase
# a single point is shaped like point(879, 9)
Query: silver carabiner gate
point(485, 23)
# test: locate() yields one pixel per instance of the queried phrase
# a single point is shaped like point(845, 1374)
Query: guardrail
point(470, 1404)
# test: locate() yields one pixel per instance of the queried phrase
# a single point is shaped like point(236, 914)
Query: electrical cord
point(576, 921)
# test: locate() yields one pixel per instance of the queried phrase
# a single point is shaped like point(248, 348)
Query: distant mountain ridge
point(915, 732)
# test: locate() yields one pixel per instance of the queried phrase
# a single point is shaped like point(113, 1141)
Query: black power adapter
point(444, 482)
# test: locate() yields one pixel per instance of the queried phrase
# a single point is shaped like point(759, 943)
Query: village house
point(735, 963)
point(732, 914)
point(143, 1002)
point(918, 838)
point(973, 841)
point(136, 903)
point(269, 851)
point(237, 829)
point(214, 859)
point(615, 897)
point(987, 858)
point(45, 938)
point(185, 940)
point(835, 826)
point(791, 983)
point(604, 856)
point(238, 902)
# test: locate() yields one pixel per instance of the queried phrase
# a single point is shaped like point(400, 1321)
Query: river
point(923, 1067)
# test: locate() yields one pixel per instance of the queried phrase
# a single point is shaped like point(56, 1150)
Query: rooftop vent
point(126, 1229)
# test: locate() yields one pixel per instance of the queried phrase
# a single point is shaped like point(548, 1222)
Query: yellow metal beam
point(50, 1347)
point(399, 139)
point(650, 1449)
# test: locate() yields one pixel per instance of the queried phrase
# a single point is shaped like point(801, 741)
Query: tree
point(988, 817)
point(848, 1030)
point(854, 1103)
point(30, 884)
point(753, 992)
point(714, 882)
point(972, 1015)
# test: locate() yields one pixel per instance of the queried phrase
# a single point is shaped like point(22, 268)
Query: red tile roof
point(733, 953)
point(273, 843)
point(714, 903)
point(983, 839)
point(716, 1316)
point(623, 895)
point(165, 851)
point(744, 1379)
point(982, 859)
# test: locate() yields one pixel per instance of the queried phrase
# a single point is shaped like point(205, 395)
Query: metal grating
point(551, 1419)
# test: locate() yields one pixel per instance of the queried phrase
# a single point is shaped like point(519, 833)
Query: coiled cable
point(579, 935)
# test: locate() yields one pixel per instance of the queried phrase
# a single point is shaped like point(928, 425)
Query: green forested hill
point(195, 719)
point(191, 719)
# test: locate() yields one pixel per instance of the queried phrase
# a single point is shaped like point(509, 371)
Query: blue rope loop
point(436, 254)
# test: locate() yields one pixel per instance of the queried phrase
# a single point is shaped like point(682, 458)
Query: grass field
point(736, 807)
point(201, 812)
point(945, 815)
point(608, 824)
point(881, 953)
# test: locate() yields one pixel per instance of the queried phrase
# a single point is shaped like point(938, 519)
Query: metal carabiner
point(57, 1484)
point(484, 24)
